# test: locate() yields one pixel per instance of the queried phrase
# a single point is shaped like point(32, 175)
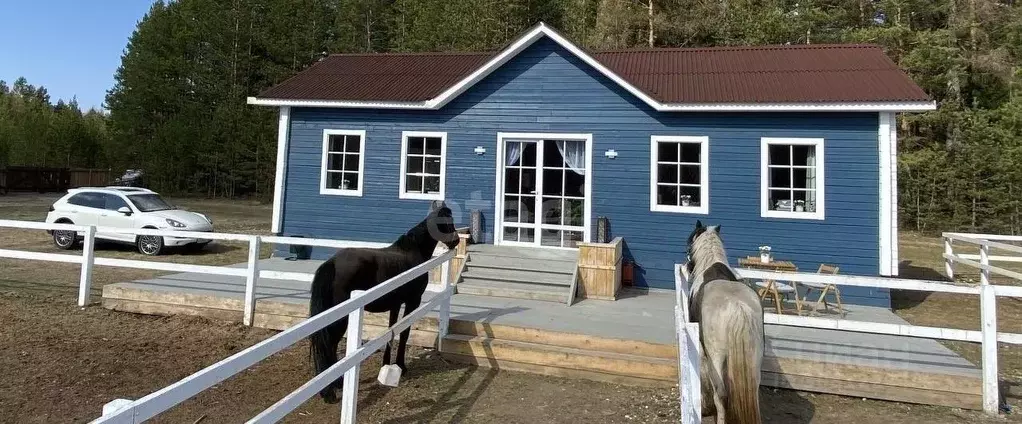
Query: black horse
point(364, 268)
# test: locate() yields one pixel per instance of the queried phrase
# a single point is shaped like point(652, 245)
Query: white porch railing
point(988, 336)
point(162, 400)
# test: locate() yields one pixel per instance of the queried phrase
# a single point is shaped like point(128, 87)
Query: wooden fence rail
point(43, 179)
point(87, 177)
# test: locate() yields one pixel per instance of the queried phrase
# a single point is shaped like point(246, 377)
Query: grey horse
point(730, 318)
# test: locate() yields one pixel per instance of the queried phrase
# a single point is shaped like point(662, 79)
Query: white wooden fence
point(689, 352)
point(987, 336)
point(124, 411)
point(252, 273)
point(984, 242)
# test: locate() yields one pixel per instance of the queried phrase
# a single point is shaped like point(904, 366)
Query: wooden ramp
point(629, 341)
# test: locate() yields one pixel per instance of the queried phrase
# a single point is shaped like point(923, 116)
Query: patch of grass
point(921, 259)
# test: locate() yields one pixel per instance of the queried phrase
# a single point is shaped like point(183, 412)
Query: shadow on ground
point(785, 406)
point(907, 299)
point(213, 248)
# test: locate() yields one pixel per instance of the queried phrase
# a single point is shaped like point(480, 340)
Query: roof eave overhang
point(542, 30)
point(915, 106)
point(263, 101)
point(662, 107)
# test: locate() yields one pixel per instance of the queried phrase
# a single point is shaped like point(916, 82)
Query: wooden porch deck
point(629, 341)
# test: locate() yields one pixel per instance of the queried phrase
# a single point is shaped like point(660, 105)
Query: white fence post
point(689, 351)
point(250, 279)
point(349, 399)
point(988, 312)
point(88, 260)
point(984, 259)
point(689, 362)
point(444, 313)
point(949, 265)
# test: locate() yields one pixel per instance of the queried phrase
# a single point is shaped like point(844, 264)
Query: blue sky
point(71, 47)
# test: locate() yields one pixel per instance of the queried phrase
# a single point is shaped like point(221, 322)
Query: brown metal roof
point(766, 74)
point(761, 74)
point(414, 77)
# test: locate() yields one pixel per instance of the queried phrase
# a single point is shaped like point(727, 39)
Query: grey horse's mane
point(707, 249)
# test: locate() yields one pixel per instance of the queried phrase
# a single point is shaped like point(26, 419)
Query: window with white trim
point(679, 174)
point(343, 162)
point(423, 165)
point(792, 178)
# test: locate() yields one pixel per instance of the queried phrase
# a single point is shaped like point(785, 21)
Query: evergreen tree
point(178, 107)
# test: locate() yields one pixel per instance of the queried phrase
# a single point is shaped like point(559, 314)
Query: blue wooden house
point(788, 146)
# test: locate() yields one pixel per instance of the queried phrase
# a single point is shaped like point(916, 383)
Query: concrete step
point(534, 265)
point(528, 253)
point(537, 264)
point(495, 288)
point(560, 361)
point(527, 277)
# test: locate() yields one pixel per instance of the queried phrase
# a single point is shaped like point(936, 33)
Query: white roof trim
point(336, 104)
point(542, 30)
point(801, 107)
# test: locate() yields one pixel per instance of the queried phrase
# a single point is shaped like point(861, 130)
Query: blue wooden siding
point(547, 89)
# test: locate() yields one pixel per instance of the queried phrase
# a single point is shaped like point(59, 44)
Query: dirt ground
point(61, 364)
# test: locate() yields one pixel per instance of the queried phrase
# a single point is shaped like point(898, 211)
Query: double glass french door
point(544, 192)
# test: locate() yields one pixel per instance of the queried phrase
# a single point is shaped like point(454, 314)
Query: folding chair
point(824, 288)
point(779, 290)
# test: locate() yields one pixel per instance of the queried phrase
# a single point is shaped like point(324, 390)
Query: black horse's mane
point(414, 238)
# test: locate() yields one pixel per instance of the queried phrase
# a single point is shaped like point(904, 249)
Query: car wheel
point(65, 239)
point(149, 245)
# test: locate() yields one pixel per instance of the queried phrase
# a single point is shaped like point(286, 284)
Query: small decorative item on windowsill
point(764, 254)
point(345, 184)
point(686, 200)
point(800, 206)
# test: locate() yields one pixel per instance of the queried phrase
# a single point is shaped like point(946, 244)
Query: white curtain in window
point(514, 152)
point(573, 153)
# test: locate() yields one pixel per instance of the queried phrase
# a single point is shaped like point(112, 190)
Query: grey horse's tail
point(743, 370)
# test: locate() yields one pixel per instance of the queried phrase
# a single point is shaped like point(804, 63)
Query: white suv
point(125, 207)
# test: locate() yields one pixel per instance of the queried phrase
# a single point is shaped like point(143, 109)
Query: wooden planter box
point(599, 269)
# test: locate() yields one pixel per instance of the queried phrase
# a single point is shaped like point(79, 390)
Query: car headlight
point(175, 224)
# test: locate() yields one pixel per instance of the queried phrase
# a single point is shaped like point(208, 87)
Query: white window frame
point(764, 173)
point(402, 192)
point(361, 163)
point(704, 174)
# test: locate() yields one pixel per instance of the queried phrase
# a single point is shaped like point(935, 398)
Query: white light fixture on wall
point(480, 150)
point(611, 154)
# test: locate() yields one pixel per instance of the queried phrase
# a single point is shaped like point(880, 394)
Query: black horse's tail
point(323, 343)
